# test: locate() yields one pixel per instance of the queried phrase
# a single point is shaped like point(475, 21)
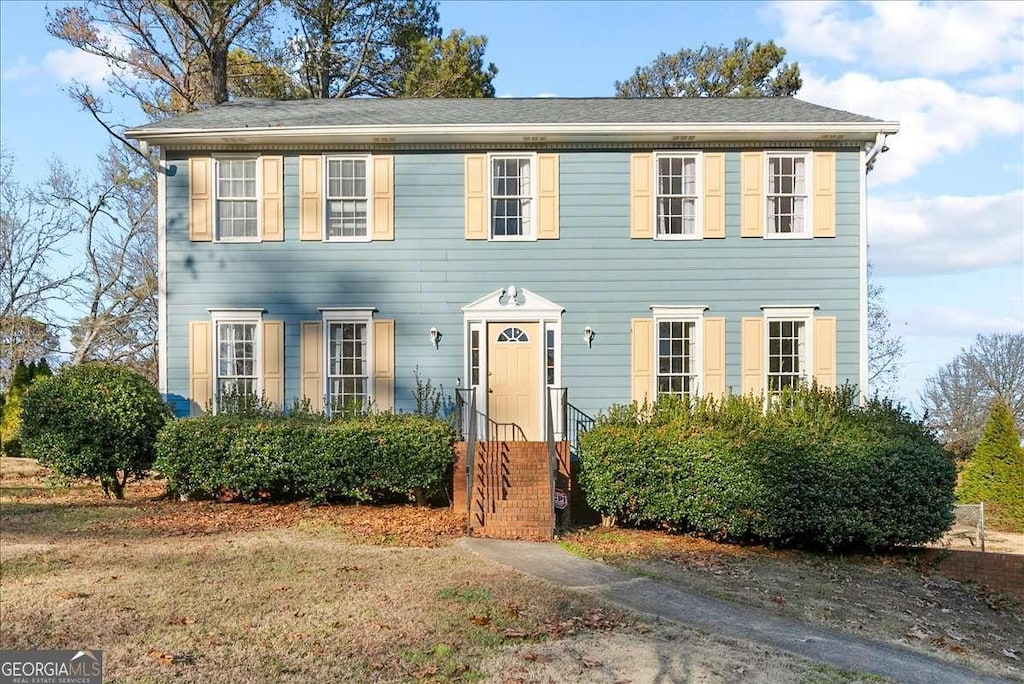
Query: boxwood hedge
point(373, 458)
point(814, 470)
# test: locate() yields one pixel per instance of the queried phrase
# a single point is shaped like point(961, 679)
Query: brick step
point(522, 504)
point(501, 515)
point(526, 535)
point(494, 527)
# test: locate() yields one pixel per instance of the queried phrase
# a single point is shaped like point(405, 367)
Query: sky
point(945, 203)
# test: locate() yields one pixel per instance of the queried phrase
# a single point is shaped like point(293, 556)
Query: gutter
point(534, 133)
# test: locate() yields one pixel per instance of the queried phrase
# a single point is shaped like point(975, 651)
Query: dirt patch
point(996, 541)
point(665, 654)
point(892, 598)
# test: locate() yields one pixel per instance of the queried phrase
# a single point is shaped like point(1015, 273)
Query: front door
point(513, 376)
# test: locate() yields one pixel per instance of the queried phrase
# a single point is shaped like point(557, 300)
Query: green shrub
point(814, 470)
point(995, 473)
point(10, 405)
point(371, 458)
point(93, 420)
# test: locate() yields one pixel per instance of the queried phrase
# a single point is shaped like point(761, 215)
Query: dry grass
point(195, 591)
point(890, 598)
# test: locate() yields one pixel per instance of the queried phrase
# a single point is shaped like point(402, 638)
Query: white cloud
point(946, 234)
point(72, 65)
point(22, 68)
point(951, 321)
point(906, 37)
point(76, 65)
point(936, 120)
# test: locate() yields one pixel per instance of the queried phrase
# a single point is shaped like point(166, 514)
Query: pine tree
point(995, 473)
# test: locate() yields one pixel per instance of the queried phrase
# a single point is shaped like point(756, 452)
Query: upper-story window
point(676, 198)
point(788, 202)
point(512, 192)
point(237, 199)
point(347, 198)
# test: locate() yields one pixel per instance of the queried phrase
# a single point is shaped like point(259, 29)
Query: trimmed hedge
point(374, 458)
point(813, 471)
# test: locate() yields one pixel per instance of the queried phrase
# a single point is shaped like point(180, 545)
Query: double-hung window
point(788, 199)
point(347, 366)
point(676, 199)
point(677, 351)
point(788, 362)
point(348, 342)
point(677, 358)
point(237, 199)
point(237, 350)
point(512, 190)
point(347, 198)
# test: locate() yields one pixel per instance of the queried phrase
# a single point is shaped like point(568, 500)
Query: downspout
point(868, 161)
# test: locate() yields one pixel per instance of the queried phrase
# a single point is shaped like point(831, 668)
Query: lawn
point(892, 598)
point(201, 591)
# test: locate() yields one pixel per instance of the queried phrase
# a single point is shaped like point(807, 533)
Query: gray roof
point(497, 111)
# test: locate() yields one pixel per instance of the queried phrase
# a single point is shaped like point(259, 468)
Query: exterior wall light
point(435, 337)
point(588, 336)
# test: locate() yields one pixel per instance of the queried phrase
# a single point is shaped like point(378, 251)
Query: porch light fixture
point(435, 337)
point(588, 336)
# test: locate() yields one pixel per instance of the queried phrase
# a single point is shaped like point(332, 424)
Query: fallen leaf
point(516, 634)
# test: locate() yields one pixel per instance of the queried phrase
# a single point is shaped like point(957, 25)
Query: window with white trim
point(787, 194)
point(347, 196)
point(237, 349)
point(237, 199)
point(677, 358)
point(549, 356)
point(788, 347)
point(474, 357)
point(348, 376)
point(511, 195)
point(676, 195)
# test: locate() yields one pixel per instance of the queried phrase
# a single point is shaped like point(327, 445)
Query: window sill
point(243, 241)
point(514, 238)
point(678, 238)
point(788, 236)
point(348, 239)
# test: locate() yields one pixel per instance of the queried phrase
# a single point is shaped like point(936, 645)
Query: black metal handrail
point(486, 429)
point(576, 423)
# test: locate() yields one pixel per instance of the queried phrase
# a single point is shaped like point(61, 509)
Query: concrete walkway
point(651, 597)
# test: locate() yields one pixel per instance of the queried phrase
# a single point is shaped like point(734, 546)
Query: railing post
point(470, 452)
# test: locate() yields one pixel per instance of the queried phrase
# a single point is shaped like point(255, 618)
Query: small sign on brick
point(561, 500)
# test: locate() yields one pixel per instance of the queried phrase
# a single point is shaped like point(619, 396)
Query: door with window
point(514, 376)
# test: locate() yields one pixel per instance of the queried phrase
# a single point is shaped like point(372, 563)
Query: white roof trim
point(538, 133)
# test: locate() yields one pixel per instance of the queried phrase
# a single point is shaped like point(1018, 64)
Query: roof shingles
point(240, 114)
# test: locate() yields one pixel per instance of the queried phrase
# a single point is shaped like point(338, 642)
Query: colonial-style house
point(534, 254)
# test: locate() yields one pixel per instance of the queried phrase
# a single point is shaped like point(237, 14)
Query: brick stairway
point(511, 489)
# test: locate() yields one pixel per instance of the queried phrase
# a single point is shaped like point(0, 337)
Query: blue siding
point(429, 272)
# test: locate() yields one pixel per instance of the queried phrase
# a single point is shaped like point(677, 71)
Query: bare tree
point(170, 56)
point(33, 243)
point(116, 216)
point(957, 398)
point(885, 347)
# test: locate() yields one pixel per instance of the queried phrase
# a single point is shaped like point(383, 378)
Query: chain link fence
point(969, 524)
